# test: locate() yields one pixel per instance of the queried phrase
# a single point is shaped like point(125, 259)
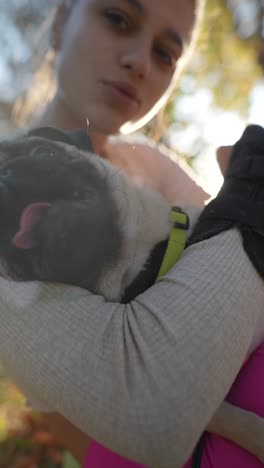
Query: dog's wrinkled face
point(55, 203)
point(69, 216)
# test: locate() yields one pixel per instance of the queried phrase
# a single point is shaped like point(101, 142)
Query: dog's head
point(67, 215)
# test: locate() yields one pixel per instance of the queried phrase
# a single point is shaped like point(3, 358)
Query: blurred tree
point(23, 43)
point(249, 22)
point(225, 61)
point(225, 66)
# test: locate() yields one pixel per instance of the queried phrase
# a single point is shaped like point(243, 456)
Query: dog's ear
point(50, 133)
point(78, 138)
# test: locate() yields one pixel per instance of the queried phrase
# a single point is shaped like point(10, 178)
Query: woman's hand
point(223, 155)
point(242, 427)
point(68, 435)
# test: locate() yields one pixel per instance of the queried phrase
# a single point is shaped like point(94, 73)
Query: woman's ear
point(58, 24)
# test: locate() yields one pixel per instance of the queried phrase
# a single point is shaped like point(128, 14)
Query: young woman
point(144, 378)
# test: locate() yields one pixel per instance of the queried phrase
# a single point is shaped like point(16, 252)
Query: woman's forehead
point(176, 17)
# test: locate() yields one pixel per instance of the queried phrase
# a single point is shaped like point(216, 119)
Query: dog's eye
point(4, 173)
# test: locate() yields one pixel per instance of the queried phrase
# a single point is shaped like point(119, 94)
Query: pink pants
point(246, 392)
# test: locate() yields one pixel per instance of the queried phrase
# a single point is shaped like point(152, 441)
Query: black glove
point(240, 202)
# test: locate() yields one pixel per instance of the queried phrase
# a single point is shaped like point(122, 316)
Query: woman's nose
point(137, 59)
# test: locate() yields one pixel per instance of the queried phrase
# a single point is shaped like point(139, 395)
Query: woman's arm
point(116, 371)
point(148, 165)
point(69, 436)
point(244, 428)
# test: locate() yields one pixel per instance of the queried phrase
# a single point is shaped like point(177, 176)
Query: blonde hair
point(42, 88)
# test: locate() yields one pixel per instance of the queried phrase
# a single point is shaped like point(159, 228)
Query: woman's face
point(118, 57)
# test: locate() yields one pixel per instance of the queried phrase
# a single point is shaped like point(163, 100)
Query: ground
point(25, 442)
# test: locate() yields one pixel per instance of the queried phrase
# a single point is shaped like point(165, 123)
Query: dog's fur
point(91, 227)
point(69, 216)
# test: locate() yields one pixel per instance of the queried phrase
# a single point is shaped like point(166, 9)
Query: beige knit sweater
point(145, 378)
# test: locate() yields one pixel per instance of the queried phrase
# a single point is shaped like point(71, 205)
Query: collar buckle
point(180, 218)
point(177, 239)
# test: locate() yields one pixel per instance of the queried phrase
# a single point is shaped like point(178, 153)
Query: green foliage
point(69, 461)
point(224, 62)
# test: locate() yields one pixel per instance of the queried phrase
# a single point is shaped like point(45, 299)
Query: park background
point(220, 93)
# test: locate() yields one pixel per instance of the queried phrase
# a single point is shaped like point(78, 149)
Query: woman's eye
point(165, 57)
point(117, 19)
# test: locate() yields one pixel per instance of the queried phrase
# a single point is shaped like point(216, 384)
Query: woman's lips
point(121, 94)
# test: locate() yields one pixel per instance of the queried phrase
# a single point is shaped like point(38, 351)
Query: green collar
point(177, 239)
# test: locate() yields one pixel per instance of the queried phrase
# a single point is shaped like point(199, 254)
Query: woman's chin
point(106, 120)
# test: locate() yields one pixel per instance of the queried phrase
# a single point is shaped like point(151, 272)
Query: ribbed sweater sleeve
point(145, 378)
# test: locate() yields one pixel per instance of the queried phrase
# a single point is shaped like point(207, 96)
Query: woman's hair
point(30, 104)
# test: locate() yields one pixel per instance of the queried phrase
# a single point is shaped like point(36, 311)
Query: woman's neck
point(58, 115)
